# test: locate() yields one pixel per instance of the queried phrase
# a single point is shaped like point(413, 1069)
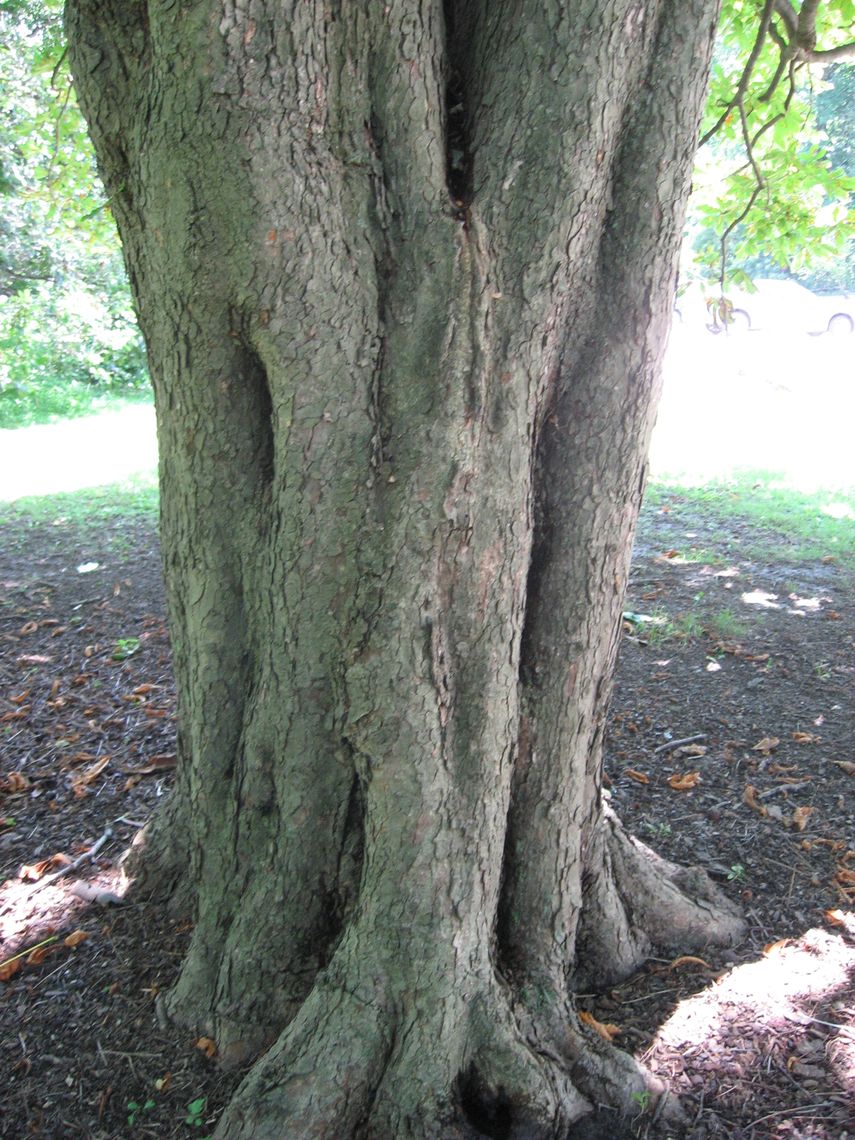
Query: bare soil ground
point(750, 662)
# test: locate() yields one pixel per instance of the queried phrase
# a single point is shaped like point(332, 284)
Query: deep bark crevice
point(259, 420)
point(460, 156)
point(488, 1110)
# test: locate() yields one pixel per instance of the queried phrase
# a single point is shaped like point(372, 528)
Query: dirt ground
point(731, 746)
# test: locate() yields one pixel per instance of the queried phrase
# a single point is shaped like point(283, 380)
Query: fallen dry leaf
point(34, 659)
point(749, 796)
point(18, 714)
point(37, 956)
point(692, 750)
point(766, 745)
point(14, 782)
point(834, 917)
point(806, 738)
point(801, 816)
point(32, 872)
point(75, 938)
point(78, 784)
point(771, 947)
point(639, 777)
point(207, 1046)
point(688, 960)
point(845, 766)
point(9, 969)
point(685, 782)
point(156, 764)
point(607, 1031)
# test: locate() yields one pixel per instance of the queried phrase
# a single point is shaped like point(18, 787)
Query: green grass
point(724, 625)
point(776, 522)
point(53, 403)
point(134, 500)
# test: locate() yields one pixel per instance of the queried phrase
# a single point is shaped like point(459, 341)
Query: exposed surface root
point(638, 905)
point(360, 1061)
point(156, 862)
point(511, 1087)
point(320, 1078)
point(597, 1073)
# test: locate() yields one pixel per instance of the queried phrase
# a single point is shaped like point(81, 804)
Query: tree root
point(638, 904)
point(432, 1063)
point(156, 861)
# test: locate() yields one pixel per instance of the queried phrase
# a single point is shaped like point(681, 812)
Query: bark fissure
point(460, 157)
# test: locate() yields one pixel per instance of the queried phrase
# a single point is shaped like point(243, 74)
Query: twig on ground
point(769, 792)
point(671, 744)
point(89, 853)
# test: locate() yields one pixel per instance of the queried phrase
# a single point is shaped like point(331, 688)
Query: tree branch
point(783, 59)
point(741, 218)
point(749, 148)
point(806, 31)
point(829, 55)
point(788, 14)
point(745, 78)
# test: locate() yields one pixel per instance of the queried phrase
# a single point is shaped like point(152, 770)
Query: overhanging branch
point(747, 72)
point(792, 28)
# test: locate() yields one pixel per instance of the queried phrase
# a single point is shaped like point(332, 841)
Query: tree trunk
point(405, 272)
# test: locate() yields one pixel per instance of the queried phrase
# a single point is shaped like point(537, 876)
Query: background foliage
point(68, 337)
point(774, 185)
point(67, 328)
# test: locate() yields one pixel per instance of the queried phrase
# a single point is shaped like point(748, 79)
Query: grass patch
point(724, 626)
point(53, 403)
point(134, 500)
point(778, 522)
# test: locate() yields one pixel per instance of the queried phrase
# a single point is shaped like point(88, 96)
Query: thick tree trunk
point(404, 271)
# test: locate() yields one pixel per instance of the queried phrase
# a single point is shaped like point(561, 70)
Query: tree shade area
point(405, 274)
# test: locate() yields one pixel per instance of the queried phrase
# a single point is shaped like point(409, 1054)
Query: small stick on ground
point(769, 792)
point(671, 744)
point(89, 853)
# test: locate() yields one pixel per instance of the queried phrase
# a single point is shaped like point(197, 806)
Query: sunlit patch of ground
point(89, 452)
point(758, 402)
point(792, 1011)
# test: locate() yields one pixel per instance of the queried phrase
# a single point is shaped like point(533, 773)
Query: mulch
point(731, 745)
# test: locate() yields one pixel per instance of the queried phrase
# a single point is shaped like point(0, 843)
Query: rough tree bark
point(405, 272)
